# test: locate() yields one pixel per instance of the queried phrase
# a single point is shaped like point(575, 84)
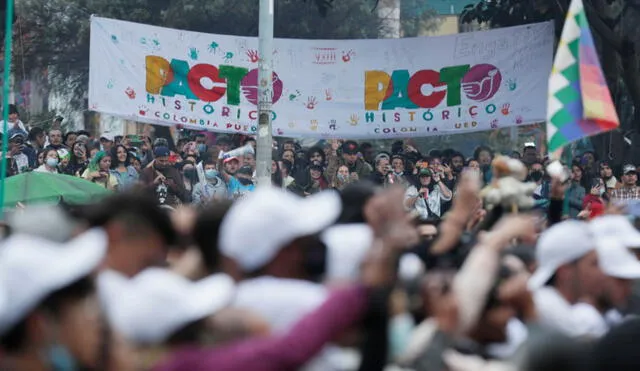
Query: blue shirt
point(238, 190)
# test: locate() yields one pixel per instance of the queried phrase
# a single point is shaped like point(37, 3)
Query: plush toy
point(508, 188)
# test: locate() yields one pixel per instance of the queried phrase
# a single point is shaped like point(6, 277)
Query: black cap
point(350, 147)
point(161, 151)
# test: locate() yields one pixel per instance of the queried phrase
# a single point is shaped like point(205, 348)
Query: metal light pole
point(8, 38)
point(264, 141)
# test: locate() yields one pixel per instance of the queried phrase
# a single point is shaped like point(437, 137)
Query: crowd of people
point(353, 258)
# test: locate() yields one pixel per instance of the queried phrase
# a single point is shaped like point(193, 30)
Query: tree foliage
point(54, 34)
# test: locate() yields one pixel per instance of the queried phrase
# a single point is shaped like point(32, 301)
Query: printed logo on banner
point(429, 89)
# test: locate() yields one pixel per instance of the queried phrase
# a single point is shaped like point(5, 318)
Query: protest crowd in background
point(354, 258)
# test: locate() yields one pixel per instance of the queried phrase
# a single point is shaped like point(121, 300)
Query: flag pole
point(264, 141)
point(6, 90)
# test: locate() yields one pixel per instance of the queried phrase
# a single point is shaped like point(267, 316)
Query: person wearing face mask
point(342, 178)
point(241, 184)
point(51, 161)
point(212, 188)
point(541, 193)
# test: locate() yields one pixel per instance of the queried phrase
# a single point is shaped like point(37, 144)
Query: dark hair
point(206, 231)
point(114, 156)
point(136, 210)
point(16, 339)
point(83, 132)
point(287, 165)
point(365, 146)
point(313, 150)
point(476, 153)
point(354, 197)
point(66, 136)
point(34, 132)
point(276, 178)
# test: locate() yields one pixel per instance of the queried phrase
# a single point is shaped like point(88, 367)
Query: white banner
point(323, 88)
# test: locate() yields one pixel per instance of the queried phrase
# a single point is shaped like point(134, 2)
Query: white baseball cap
point(32, 268)
point(563, 243)
point(616, 227)
point(615, 260)
point(151, 306)
point(258, 226)
point(108, 136)
point(347, 246)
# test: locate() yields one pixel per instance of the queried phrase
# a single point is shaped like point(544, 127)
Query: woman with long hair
point(121, 167)
point(99, 171)
point(79, 160)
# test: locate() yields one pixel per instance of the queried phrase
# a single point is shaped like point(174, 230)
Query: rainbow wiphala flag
point(580, 104)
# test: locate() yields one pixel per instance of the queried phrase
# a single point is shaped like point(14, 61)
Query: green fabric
point(94, 165)
point(36, 187)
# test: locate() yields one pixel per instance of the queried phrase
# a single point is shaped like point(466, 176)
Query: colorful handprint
point(294, 96)
point(519, 119)
point(506, 109)
point(228, 57)
point(130, 93)
point(328, 95)
point(142, 110)
point(213, 47)
point(494, 124)
point(512, 84)
point(253, 56)
point(313, 125)
point(353, 120)
point(311, 103)
point(194, 53)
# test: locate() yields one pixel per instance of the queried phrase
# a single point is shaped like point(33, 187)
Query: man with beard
point(164, 179)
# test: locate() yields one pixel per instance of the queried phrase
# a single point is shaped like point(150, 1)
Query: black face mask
point(245, 182)
point(536, 175)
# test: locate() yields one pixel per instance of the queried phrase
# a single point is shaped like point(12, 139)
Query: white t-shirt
point(556, 312)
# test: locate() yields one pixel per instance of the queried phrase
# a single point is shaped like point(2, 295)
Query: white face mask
point(52, 162)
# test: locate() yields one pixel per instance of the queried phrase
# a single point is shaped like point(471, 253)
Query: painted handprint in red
point(506, 109)
point(328, 95)
point(253, 56)
point(130, 93)
point(346, 56)
point(311, 103)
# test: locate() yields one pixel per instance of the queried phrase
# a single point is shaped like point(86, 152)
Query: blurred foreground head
point(139, 231)
point(276, 233)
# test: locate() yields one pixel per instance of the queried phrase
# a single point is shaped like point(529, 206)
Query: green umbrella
point(37, 187)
